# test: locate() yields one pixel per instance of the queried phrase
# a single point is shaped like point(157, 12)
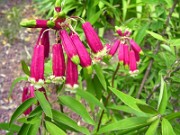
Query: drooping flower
point(37, 63)
point(132, 62)
point(121, 54)
point(114, 48)
point(58, 61)
point(135, 46)
point(92, 38)
point(28, 92)
point(69, 46)
point(71, 74)
point(126, 56)
point(85, 59)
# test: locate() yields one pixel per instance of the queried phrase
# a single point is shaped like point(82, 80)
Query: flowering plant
point(88, 82)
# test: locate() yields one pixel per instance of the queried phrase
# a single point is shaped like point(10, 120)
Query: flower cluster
point(128, 51)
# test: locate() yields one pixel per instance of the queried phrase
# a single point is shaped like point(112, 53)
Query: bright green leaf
point(34, 128)
point(24, 129)
point(13, 128)
point(25, 68)
point(44, 103)
point(172, 116)
point(153, 127)
point(77, 107)
point(23, 107)
point(147, 109)
point(125, 124)
point(157, 36)
point(100, 75)
point(90, 98)
point(53, 129)
point(167, 127)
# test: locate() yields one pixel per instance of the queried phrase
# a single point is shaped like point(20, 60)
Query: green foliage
point(107, 99)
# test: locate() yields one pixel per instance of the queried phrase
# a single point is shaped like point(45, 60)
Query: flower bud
point(121, 54)
point(69, 46)
point(58, 62)
point(92, 38)
point(136, 47)
point(71, 74)
point(132, 62)
point(85, 59)
point(37, 63)
point(126, 55)
point(114, 48)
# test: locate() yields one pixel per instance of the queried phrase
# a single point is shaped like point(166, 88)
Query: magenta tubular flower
point(92, 38)
point(71, 74)
point(43, 39)
point(114, 48)
point(136, 56)
point(132, 61)
point(126, 55)
point(119, 32)
point(41, 24)
point(58, 62)
point(108, 47)
point(69, 46)
point(28, 92)
point(37, 63)
point(121, 54)
point(135, 46)
point(85, 59)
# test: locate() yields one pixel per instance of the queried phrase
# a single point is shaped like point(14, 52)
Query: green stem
point(107, 98)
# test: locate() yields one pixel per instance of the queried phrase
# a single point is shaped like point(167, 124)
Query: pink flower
point(71, 74)
point(132, 61)
point(37, 63)
point(114, 48)
point(85, 59)
point(135, 46)
point(58, 62)
point(28, 92)
point(126, 55)
point(121, 54)
point(120, 32)
point(41, 24)
point(69, 46)
point(92, 38)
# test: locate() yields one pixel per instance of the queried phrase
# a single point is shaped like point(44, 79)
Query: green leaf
point(62, 118)
point(53, 129)
point(157, 36)
point(167, 127)
point(153, 127)
point(125, 124)
point(126, 99)
point(174, 42)
point(100, 75)
point(34, 128)
point(90, 98)
point(44, 103)
point(24, 129)
point(23, 107)
point(141, 33)
point(15, 82)
point(163, 98)
point(25, 68)
point(36, 112)
point(95, 17)
point(147, 109)
point(172, 116)
point(13, 128)
point(77, 107)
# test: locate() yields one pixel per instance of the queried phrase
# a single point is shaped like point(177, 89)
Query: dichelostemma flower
point(69, 46)
point(92, 38)
point(132, 62)
point(121, 54)
point(135, 46)
point(71, 75)
point(85, 59)
point(114, 48)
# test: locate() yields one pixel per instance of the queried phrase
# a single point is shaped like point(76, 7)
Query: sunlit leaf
point(53, 129)
point(167, 127)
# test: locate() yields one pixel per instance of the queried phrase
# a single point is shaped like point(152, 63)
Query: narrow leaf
point(13, 128)
point(89, 98)
point(23, 107)
point(172, 116)
point(100, 75)
point(44, 103)
point(62, 118)
point(153, 127)
point(163, 99)
point(126, 99)
point(77, 107)
point(24, 129)
point(157, 36)
point(125, 124)
point(53, 129)
point(167, 127)
point(147, 109)
point(25, 68)
point(34, 128)
point(15, 82)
